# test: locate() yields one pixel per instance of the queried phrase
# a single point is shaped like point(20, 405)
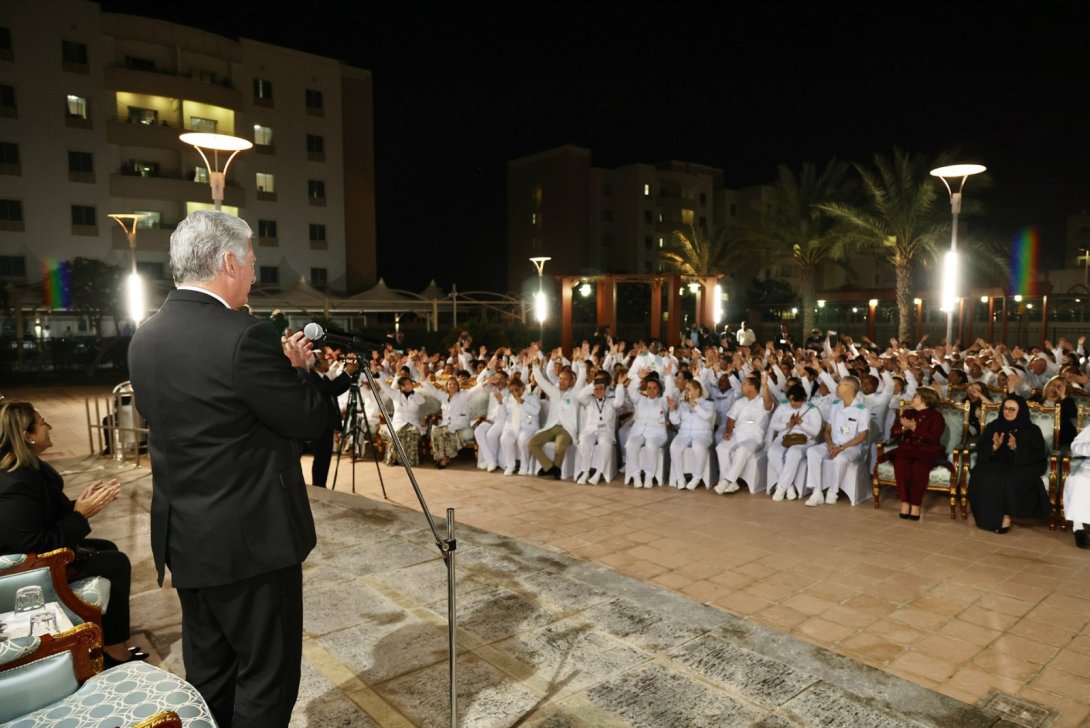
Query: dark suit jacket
point(225, 410)
point(331, 389)
point(35, 514)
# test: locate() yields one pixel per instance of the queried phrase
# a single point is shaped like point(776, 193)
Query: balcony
point(156, 83)
point(161, 136)
point(135, 187)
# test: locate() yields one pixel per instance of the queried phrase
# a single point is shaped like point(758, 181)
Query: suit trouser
point(912, 476)
point(106, 561)
point(734, 455)
point(816, 458)
point(323, 455)
point(556, 434)
point(784, 464)
point(242, 645)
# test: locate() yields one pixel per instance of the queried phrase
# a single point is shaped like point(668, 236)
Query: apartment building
point(91, 107)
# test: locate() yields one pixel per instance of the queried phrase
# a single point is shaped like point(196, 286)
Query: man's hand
point(297, 348)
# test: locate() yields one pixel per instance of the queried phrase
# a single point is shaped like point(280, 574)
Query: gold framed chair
point(944, 478)
point(1047, 418)
point(49, 570)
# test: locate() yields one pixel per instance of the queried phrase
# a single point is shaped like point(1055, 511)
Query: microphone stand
point(447, 546)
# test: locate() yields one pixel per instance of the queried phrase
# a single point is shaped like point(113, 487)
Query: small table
point(17, 624)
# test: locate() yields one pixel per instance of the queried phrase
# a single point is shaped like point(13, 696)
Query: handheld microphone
point(316, 333)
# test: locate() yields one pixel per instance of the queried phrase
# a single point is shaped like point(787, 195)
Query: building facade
point(91, 107)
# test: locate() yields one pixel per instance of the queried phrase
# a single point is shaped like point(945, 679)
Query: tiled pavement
point(937, 603)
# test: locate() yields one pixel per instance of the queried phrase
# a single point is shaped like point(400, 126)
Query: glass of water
point(29, 598)
point(42, 623)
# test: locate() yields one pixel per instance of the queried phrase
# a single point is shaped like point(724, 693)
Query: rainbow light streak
point(57, 289)
point(1025, 251)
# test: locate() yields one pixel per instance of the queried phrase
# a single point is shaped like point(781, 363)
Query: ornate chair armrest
point(166, 719)
point(84, 641)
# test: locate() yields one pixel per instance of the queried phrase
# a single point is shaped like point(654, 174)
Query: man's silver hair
point(200, 241)
point(853, 383)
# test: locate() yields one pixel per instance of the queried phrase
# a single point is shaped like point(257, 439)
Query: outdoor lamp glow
point(717, 304)
point(541, 307)
point(958, 170)
point(983, 299)
point(216, 143)
point(1018, 298)
point(694, 287)
point(873, 302)
point(821, 303)
point(584, 290)
point(917, 301)
point(137, 305)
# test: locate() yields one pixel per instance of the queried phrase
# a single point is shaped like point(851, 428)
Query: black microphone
point(316, 333)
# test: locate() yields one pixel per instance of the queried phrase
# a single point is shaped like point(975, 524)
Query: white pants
point(513, 447)
point(818, 456)
point(700, 443)
point(784, 464)
point(488, 442)
point(593, 450)
point(642, 453)
point(734, 455)
point(622, 438)
point(1077, 495)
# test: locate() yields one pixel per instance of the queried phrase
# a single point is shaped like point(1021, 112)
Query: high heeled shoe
point(135, 655)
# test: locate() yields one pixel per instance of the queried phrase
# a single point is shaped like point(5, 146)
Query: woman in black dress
point(36, 516)
point(1011, 457)
point(1055, 393)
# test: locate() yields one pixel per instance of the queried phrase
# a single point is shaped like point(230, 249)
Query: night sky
point(458, 94)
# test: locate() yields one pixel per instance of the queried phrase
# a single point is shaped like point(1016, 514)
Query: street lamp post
point(950, 262)
point(541, 310)
point(216, 143)
point(1085, 258)
point(134, 286)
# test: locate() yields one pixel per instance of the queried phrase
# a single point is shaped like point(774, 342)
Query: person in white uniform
point(488, 430)
point(1077, 488)
point(845, 440)
point(562, 424)
point(747, 425)
point(523, 418)
point(694, 417)
point(648, 433)
point(796, 424)
point(599, 432)
point(453, 431)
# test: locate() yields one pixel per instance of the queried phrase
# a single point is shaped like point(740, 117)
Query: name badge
point(846, 429)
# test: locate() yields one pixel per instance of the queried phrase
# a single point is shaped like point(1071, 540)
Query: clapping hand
point(97, 496)
point(997, 440)
point(1012, 443)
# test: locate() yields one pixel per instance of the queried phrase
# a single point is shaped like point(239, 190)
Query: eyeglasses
point(1011, 409)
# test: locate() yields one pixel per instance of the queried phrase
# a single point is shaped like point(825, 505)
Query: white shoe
point(778, 494)
point(732, 487)
point(830, 497)
point(693, 482)
point(593, 480)
point(508, 471)
point(815, 498)
point(491, 467)
point(582, 479)
point(791, 494)
point(721, 487)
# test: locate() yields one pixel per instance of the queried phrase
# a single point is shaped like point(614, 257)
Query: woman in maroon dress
point(920, 429)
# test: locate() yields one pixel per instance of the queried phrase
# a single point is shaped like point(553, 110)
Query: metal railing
point(116, 429)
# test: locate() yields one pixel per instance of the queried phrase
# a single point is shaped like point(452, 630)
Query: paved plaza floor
point(604, 605)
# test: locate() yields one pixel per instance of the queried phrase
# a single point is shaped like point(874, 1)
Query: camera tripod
point(355, 421)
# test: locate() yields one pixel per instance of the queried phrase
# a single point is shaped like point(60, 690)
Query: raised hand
point(1012, 442)
point(997, 440)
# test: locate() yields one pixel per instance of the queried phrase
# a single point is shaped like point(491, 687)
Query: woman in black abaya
point(1011, 457)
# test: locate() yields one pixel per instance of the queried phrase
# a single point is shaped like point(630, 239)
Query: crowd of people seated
point(791, 421)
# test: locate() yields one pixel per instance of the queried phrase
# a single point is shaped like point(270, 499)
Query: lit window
point(200, 124)
point(77, 106)
point(647, 190)
point(150, 219)
point(266, 182)
point(140, 115)
point(661, 241)
point(533, 218)
point(687, 217)
point(263, 135)
point(200, 174)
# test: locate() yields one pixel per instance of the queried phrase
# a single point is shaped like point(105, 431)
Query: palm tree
point(797, 232)
point(696, 252)
point(904, 219)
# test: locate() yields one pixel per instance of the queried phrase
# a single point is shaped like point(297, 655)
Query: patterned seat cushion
point(940, 475)
point(14, 648)
point(95, 590)
point(9, 560)
point(122, 696)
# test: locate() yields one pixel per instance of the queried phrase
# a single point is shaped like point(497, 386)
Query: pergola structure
point(607, 301)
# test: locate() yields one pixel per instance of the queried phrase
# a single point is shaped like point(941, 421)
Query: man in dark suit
point(331, 389)
point(226, 403)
